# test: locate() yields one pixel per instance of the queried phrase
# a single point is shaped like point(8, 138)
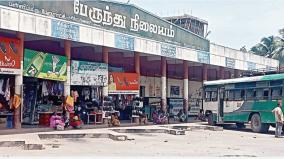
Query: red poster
point(9, 56)
point(123, 83)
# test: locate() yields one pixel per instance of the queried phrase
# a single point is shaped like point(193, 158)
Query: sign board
point(63, 30)
point(251, 66)
point(124, 42)
point(44, 65)
point(175, 91)
point(123, 83)
point(9, 56)
point(230, 62)
point(89, 73)
point(114, 16)
point(203, 57)
point(168, 50)
point(175, 105)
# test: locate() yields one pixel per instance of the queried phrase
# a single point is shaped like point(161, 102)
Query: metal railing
point(262, 71)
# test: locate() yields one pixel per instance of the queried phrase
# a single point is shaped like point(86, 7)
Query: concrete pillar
point(137, 62)
point(67, 50)
point(19, 81)
point(185, 87)
point(105, 60)
point(221, 73)
point(204, 72)
point(164, 84)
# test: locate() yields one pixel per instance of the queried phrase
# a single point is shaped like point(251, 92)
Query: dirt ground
point(195, 143)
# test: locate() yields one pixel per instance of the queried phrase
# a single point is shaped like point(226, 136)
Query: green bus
point(243, 100)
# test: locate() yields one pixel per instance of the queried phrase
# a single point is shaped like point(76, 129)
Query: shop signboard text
point(89, 73)
point(118, 17)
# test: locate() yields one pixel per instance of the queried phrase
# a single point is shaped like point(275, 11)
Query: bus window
point(265, 94)
point(242, 94)
point(238, 95)
point(229, 95)
point(207, 96)
point(250, 94)
point(214, 96)
point(259, 94)
point(276, 93)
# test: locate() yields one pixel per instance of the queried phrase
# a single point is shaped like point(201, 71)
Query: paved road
point(197, 143)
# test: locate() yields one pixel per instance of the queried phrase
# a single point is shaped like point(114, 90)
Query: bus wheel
point(240, 125)
point(211, 120)
point(256, 124)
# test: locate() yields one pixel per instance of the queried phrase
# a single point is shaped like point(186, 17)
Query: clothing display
point(1, 86)
point(7, 90)
point(41, 96)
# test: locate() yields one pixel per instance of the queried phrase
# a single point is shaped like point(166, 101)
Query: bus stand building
point(95, 49)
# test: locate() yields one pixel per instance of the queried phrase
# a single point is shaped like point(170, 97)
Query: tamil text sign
point(89, 73)
point(118, 17)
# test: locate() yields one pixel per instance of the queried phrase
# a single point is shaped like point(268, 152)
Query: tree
point(271, 47)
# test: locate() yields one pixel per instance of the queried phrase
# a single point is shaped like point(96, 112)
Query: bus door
point(221, 104)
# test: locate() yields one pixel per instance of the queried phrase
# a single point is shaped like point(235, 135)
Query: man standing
point(278, 118)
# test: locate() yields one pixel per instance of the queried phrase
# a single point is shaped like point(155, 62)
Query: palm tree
point(271, 47)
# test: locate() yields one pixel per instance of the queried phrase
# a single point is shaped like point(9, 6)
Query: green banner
point(44, 65)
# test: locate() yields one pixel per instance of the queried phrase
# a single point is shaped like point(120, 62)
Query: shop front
point(123, 88)
point(87, 82)
point(43, 86)
point(10, 66)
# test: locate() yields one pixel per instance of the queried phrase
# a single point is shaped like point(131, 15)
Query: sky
point(233, 23)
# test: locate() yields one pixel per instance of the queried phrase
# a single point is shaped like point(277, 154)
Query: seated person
point(143, 118)
point(181, 115)
point(114, 120)
point(159, 117)
point(56, 122)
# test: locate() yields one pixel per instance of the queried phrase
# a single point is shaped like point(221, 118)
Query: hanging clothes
point(49, 87)
point(60, 88)
point(44, 89)
point(1, 86)
point(7, 90)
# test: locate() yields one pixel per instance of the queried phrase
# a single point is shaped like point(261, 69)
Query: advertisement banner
point(9, 56)
point(175, 105)
point(44, 65)
point(123, 83)
point(89, 73)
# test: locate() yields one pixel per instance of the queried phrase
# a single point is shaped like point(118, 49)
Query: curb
point(88, 135)
point(21, 144)
point(166, 131)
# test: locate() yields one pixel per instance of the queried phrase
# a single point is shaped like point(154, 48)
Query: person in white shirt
point(278, 118)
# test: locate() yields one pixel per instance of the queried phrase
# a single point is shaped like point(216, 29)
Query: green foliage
point(272, 47)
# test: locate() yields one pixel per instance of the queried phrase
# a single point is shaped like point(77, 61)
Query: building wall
point(19, 20)
point(153, 86)
point(218, 55)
